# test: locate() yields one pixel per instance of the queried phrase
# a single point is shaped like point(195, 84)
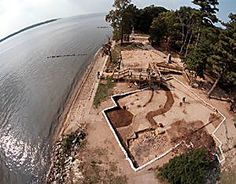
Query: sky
point(17, 14)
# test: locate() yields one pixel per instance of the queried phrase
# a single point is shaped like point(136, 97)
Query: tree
point(223, 59)
point(129, 18)
point(162, 26)
point(190, 168)
point(180, 27)
point(118, 19)
point(207, 5)
point(144, 18)
point(190, 20)
point(196, 60)
point(209, 9)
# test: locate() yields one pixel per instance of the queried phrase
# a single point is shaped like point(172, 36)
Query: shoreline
point(73, 96)
point(66, 120)
point(91, 152)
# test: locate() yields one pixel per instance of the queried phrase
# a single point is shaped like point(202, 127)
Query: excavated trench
point(120, 118)
point(169, 103)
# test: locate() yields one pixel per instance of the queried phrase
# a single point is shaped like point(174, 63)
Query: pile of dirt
point(120, 118)
point(193, 134)
point(181, 129)
point(169, 103)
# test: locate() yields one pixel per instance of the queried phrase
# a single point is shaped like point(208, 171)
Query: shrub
point(194, 167)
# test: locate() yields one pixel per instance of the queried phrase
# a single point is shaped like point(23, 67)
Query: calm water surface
point(33, 89)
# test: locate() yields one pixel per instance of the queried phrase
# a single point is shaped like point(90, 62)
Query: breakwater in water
point(33, 92)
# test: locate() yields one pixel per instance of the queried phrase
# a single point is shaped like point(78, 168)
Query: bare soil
point(120, 118)
point(167, 126)
point(169, 103)
point(102, 154)
point(193, 134)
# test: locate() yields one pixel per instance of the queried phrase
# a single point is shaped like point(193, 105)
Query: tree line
point(192, 32)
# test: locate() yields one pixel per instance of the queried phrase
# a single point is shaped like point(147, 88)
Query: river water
point(34, 86)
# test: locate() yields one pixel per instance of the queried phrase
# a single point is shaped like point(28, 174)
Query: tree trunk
point(182, 26)
point(110, 55)
point(198, 38)
point(182, 47)
point(213, 87)
point(122, 33)
point(182, 32)
point(185, 40)
point(189, 41)
point(188, 26)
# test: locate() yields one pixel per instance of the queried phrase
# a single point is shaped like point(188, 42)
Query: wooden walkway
point(136, 76)
point(153, 74)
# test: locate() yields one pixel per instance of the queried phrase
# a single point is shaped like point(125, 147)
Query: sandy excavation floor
point(147, 135)
point(101, 157)
point(141, 58)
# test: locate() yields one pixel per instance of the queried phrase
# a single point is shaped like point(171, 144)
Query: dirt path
point(169, 103)
point(84, 98)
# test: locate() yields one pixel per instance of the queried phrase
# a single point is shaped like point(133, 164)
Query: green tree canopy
point(194, 167)
point(162, 26)
point(209, 9)
point(118, 17)
point(144, 18)
point(124, 16)
point(223, 59)
point(197, 59)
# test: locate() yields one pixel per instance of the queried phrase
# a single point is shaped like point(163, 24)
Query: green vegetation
point(103, 91)
point(204, 47)
point(194, 167)
point(119, 18)
point(116, 54)
point(67, 141)
point(125, 16)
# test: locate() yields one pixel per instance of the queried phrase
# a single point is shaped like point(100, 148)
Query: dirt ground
point(101, 159)
point(102, 150)
point(142, 57)
point(119, 122)
point(151, 129)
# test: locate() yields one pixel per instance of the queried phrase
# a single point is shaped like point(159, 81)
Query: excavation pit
point(150, 124)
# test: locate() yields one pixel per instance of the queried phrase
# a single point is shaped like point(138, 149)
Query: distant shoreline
point(27, 28)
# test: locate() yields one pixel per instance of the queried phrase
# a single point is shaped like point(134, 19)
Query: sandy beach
point(80, 102)
point(70, 120)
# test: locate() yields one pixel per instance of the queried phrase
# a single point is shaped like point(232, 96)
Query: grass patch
point(103, 91)
point(132, 46)
point(116, 54)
